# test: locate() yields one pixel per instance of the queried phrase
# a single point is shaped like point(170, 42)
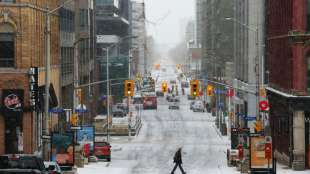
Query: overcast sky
point(170, 18)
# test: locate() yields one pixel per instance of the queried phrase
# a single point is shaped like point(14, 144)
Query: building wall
point(29, 26)
point(278, 46)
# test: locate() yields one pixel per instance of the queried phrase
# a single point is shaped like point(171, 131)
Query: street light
point(48, 13)
point(257, 68)
point(107, 49)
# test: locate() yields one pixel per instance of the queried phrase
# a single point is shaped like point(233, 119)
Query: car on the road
point(174, 105)
point(92, 159)
point(118, 112)
point(189, 97)
point(191, 105)
point(138, 99)
point(174, 99)
point(102, 150)
point(22, 163)
point(198, 106)
point(52, 167)
point(159, 94)
point(150, 102)
point(168, 96)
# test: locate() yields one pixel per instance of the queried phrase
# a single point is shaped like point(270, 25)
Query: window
point(308, 15)
point(7, 50)
point(12, 1)
point(308, 74)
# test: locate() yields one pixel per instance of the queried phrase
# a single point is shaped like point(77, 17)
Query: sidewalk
point(281, 169)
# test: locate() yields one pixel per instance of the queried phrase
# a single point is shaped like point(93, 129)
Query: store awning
point(53, 102)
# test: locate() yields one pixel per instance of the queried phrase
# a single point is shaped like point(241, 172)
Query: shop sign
point(13, 100)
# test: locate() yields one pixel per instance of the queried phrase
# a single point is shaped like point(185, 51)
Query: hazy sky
point(170, 18)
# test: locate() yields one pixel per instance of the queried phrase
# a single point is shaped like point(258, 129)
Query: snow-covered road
point(163, 131)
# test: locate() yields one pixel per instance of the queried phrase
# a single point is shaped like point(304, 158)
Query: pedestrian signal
point(164, 87)
point(194, 88)
point(129, 88)
point(210, 90)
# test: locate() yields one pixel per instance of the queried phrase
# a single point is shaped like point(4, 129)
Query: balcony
point(109, 11)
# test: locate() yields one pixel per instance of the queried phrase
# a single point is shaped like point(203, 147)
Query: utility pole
point(108, 95)
point(47, 79)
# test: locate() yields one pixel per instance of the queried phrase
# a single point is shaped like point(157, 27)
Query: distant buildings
point(139, 44)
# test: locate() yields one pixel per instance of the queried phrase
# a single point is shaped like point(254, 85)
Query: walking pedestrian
point(177, 159)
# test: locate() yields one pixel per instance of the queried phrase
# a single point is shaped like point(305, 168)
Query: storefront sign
point(86, 137)
point(258, 155)
point(13, 100)
point(62, 150)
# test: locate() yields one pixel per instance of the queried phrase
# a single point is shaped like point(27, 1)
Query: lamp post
point(107, 50)
point(257, 67)
point(48, 14)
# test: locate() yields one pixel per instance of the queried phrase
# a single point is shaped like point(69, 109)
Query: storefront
point(12, 111)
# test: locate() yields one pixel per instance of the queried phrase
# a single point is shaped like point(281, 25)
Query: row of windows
point(12, 1)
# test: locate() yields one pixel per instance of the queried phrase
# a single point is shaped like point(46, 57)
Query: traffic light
point(129, 88)
point(194, 88)
point(74, 119)
point(209, 90)
point(164, 87)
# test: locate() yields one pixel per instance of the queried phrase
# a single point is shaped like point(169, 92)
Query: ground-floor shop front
point(290, 127)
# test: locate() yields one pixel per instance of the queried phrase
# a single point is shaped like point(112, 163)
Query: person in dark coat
point(177, 159)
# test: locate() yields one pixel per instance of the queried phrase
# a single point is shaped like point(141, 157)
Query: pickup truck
point(22, 163)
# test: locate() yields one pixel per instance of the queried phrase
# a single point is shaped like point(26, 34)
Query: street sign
point(76, 128)
point(230, 92)
point(46, 137)
point(268, 151)
point(263, 105)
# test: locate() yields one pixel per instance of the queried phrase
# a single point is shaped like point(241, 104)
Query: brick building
point(22, 46)
point(288, 64)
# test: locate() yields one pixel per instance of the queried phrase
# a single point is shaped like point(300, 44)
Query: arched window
point(7, 48)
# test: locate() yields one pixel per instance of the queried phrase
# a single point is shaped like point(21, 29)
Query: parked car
point(22, 163)
point(52, 167)
point(198, 106)
point(102, 150)
point(174, 105)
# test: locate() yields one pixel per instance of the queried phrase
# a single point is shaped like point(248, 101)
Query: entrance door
point(12, 130)
point(307, 138)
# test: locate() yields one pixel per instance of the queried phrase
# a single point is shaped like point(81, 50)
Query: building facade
point(138, 45)
point(78, 46)
point(113, 32)
point(249, 56)
point(288, 63)
point(22, 46)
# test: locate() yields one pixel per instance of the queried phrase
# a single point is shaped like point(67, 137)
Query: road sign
point(230, 92)
point(263, 105)
point(76, 128)
point(268, 151)
point(46, 137)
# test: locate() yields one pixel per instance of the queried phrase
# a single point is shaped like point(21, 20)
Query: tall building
point(22, 46)
point(112, 30)
point(137, 21)
point(249, 39)
point(77, 32)
point(288, 64)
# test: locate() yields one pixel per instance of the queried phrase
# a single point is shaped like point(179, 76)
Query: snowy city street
point(204, 150)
